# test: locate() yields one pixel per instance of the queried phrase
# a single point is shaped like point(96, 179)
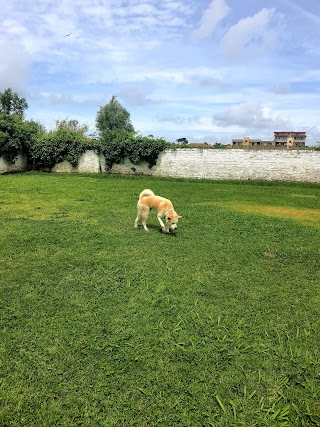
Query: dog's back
point(148, 199)
point(145, 193)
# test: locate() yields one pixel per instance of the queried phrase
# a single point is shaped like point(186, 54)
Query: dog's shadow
point(157, 228)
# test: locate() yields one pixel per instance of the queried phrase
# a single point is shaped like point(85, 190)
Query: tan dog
point(147, 201)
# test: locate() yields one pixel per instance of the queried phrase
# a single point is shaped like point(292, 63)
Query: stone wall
point(20, 165)
point(282, 165)
point(215, 164)
point(89, 162)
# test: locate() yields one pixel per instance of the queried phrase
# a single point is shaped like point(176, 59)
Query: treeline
point(115, 138)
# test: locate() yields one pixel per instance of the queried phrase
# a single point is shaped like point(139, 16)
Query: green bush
point(10, 137)
point(16, 135)
point(116, 145)
point(66, 142)
point(51, 148)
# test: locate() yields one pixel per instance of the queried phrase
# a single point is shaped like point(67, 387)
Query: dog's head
point(172, 219)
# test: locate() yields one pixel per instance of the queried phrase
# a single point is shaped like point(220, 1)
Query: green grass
point(105, 325)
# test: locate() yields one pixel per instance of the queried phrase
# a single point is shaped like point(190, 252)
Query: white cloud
point(313, 135)
point(185, 120)
point(252, 115)
point(302, 11)
point(134, 96)
point(216, 12)
point(251, 36)
point(202, 75)
point(14, 70)
point(282, 89)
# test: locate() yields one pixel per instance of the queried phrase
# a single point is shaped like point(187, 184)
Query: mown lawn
point(106, 325)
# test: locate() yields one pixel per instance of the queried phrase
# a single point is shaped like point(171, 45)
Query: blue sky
point(206, 70)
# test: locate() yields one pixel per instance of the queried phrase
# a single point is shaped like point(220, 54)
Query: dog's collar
point(167, 212)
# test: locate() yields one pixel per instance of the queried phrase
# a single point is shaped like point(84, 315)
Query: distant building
point(247, 142)
point(290, 139)
point(281, 140)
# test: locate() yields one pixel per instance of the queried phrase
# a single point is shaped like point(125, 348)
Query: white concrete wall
point(282, 165)
point(20, 165)
point(89, 162)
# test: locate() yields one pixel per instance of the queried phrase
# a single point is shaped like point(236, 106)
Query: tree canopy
point(182, 141)
point(113, 116)
point(11, 103)
point(71, 125)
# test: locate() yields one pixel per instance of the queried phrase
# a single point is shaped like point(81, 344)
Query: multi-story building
point(290, 139)
point(281, 140)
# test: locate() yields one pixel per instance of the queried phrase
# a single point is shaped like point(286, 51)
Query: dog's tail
point(146, 193)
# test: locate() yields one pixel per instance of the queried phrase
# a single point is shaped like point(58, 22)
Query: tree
point(182, 141)
point(14, 131)
point(16, 135)
point(71, 125)
point(11, 103)
point(113, 117)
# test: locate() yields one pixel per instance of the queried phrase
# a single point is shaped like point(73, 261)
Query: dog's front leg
point(145, 225)
point(163, 227)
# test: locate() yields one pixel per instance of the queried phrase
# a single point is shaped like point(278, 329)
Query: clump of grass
point(106, 325)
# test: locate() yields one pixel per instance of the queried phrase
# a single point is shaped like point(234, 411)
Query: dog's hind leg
point(136, 221)
point(138, 217)
point(144, 217)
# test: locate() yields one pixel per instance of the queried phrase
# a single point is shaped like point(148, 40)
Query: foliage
point(105, 325)
point(11, 133)
point(51, 148)
point(14, 131)
point(182, 141)
point(16, 135)
point(113, 117)
point(206, 146)
point(71, 125)
point(116, 145)
point(11, 103)
point(68, 141)
point(43, 150)
point(219, 145)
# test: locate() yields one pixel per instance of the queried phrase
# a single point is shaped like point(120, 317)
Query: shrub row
point(116, 145)
point(45, 149)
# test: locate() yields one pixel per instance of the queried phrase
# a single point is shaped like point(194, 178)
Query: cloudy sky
point(206, 70)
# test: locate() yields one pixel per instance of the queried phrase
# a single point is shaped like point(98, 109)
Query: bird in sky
point(67, 35)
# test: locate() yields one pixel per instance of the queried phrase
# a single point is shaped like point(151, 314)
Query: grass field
point(102, 324)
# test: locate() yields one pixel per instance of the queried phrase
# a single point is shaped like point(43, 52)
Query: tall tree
point(182, 141)
point(113, 116)
point(11, 103)
point(71, 125)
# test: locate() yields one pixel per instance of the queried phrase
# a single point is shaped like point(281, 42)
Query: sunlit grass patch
point(309, 217)
point(39, 208)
